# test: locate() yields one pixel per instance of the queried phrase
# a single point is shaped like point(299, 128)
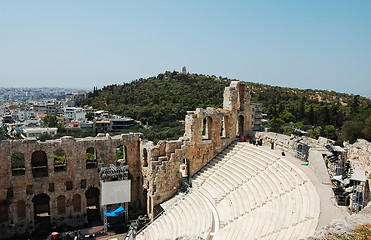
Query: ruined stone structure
point(37, 189)
point(57, 182)
point(207, 132)
point(359, 154)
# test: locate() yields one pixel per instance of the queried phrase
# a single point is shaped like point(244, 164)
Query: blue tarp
point(114, 212)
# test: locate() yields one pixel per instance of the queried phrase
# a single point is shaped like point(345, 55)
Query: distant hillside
point(167, 97)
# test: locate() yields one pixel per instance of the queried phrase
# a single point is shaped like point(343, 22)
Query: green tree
point(59, 157)
point(324, 115)
point(287, 117)
point(18, 160)
point(89, 116)
point(352, 130)
point(61, 128)
point(367, 129)
point(90, 155)
point(315, 132)
point(276, 125)
point(312, 118)
point(330, 132)
point(43, 137)
point(301, 112)
point(50, 121)
point(355, 105)
point(119, 152)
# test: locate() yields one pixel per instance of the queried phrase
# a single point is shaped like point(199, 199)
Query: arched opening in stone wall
point(121, 154)
point(225, 128)
point(59, 160)
point(76, 202)
point(203, 128)
point(149, 205)
point(18, 165)
point(145, 158)
point(207, 128)
point(92, 197)
point(143, 200)
point(92, 205)
point(41, 210)
point(61, 204)
point(39, 163)
point(241, 97)
point(91, 159)
point(240, 126)
point(21, 210)
point(4, 211)
point(222, 130)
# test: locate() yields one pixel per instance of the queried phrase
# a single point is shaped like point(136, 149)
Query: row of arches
point(41, 206)
point(39, 161)
point(224, 128)
point(207, 131)
point(61, 204)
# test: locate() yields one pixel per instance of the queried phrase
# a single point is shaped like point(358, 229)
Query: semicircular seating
point(190, 216)
point(243, 193)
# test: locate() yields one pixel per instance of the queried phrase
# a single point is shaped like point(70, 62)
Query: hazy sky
point(81, 44)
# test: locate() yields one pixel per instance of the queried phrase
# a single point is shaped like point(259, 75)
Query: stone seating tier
point(255, 195)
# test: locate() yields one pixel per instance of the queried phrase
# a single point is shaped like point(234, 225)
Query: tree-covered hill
point(167, 97)
point(337, 116)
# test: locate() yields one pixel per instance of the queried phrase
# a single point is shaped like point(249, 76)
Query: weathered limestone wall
point(207, 132)
point(195, 152)
point(359, 153)
point(26, 187)
point(280, 141)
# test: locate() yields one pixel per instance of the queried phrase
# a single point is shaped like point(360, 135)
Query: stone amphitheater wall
point(155, 170)
point(18, 191)
point(359, 153)
point(280, 141)
point(283, 142)
point(207, 132)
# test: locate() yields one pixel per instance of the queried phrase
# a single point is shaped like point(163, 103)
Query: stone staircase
point(243, 193)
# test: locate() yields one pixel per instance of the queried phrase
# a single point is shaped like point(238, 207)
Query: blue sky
point(81, 44)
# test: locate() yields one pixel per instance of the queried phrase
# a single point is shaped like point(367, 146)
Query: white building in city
point(36, 132)
point(74, 113)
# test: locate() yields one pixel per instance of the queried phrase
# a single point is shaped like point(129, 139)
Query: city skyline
point(317, 45)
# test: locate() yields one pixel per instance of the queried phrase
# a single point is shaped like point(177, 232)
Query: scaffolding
point(299, 144)
point(337, 164)
point(358, 192)
point(109, 174)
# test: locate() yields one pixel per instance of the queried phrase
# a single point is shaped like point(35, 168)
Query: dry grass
point(362, 232)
